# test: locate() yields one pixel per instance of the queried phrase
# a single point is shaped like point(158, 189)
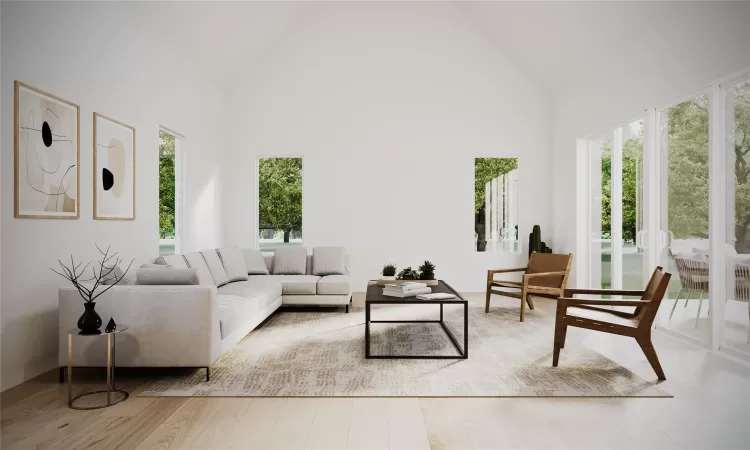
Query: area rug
point(321, 354)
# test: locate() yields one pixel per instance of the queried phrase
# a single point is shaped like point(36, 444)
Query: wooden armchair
point(588, 313)
point(545, 276)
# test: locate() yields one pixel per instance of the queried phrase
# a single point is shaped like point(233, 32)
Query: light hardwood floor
point(710, 411)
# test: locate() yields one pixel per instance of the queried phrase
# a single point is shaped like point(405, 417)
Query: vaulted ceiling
point(555, 43)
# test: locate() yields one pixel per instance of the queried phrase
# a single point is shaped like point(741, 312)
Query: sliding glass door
point(684, 216)
point(616, 250)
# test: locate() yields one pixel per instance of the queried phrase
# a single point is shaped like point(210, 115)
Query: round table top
point(102, 332)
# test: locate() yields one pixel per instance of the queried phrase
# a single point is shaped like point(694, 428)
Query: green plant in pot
point(389, 272)
point(103, 278)
point(408, 274)
point(427, 271)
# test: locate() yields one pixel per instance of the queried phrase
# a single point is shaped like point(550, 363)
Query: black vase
point(90, 322)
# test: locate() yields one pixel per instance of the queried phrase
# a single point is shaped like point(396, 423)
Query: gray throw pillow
point(217, 269)
point(256, 264)
point(176, 261)
point(233, 259)
point(166, 277)
point(289, 261)
point(328, 261)
point(113, 276)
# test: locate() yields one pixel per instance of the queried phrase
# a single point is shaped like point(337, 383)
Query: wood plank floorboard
point(710, 411)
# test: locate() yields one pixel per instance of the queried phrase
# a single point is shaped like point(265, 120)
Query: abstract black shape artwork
point(108, 180)
point(46, 134)
point(114, 162)
point(46, 154)
point(111, 325)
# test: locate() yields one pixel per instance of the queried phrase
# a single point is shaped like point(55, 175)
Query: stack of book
point(409, 289)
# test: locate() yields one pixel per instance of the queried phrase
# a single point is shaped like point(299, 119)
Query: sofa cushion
point(215, 267)
point(255, 262)
point(163, 277)
point(196, 261)
point(291, 284)
point(234, 311)
point(176, 261)
point(335, 285)
point(328, 261)
point(233, 259)
point(264, 288)
point(290, 261)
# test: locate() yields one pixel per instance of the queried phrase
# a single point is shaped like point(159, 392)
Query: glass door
point(736, 324)
point(684, 216)
point(617, 247)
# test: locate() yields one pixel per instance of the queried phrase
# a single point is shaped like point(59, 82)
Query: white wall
point(676, 49)
point(94, 55)
point(389, 104)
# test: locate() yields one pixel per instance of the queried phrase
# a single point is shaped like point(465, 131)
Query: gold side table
point(111, 390)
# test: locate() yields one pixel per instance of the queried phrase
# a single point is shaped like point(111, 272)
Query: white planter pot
point(383, 277)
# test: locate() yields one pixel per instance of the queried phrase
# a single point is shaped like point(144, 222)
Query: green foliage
point(389, 270)
point(427, 271)
point(487, 169)
point(280, 195)
point(408, 274)
point(741, 167)
point(166, 185)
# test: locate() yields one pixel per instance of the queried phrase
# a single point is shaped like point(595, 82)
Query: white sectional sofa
point(193, 325)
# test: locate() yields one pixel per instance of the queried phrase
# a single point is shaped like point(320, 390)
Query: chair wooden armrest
point(518, 269)
point(572, 292)
point(568, 301)
point(545, 274)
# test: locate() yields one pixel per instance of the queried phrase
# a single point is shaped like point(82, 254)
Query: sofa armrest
point(169, 326)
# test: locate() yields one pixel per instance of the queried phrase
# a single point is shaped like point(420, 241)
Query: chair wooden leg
point(650, 352)
point(559, 342)
point(530, 302)
point(523, 302)
point(487, 306)
point(564, 336)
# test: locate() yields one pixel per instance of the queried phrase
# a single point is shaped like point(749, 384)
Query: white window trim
point(179, 162)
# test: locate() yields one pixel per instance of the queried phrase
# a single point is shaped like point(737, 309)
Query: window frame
point(256, 205)
point(179, 150)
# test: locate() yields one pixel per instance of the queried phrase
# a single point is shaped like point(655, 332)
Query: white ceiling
point(553, 42)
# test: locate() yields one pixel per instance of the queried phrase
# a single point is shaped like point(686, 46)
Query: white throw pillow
point(256, 264)
point(328, 261)
point(176, 261)
point(289, 261)
point(233, 259)
point(197, 261)
point(217, 269)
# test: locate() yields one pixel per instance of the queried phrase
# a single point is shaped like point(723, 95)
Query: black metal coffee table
point(375, 297)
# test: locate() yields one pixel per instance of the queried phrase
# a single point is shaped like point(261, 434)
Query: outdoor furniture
point(545, 276)
point(591, 314)
point(742, 288)
point(693, 275)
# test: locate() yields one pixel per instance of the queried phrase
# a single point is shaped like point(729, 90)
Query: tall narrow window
point(496, 205)
point(169, 149)
point(279, 202)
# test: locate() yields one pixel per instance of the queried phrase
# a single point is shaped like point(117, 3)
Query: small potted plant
point(407, 274)
point(427, 271)
point(389, 272)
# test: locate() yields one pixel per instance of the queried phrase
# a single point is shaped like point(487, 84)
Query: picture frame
point(46, 153)
point(114, 169)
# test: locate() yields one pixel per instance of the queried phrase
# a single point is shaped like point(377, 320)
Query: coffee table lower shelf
point(463, 352)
